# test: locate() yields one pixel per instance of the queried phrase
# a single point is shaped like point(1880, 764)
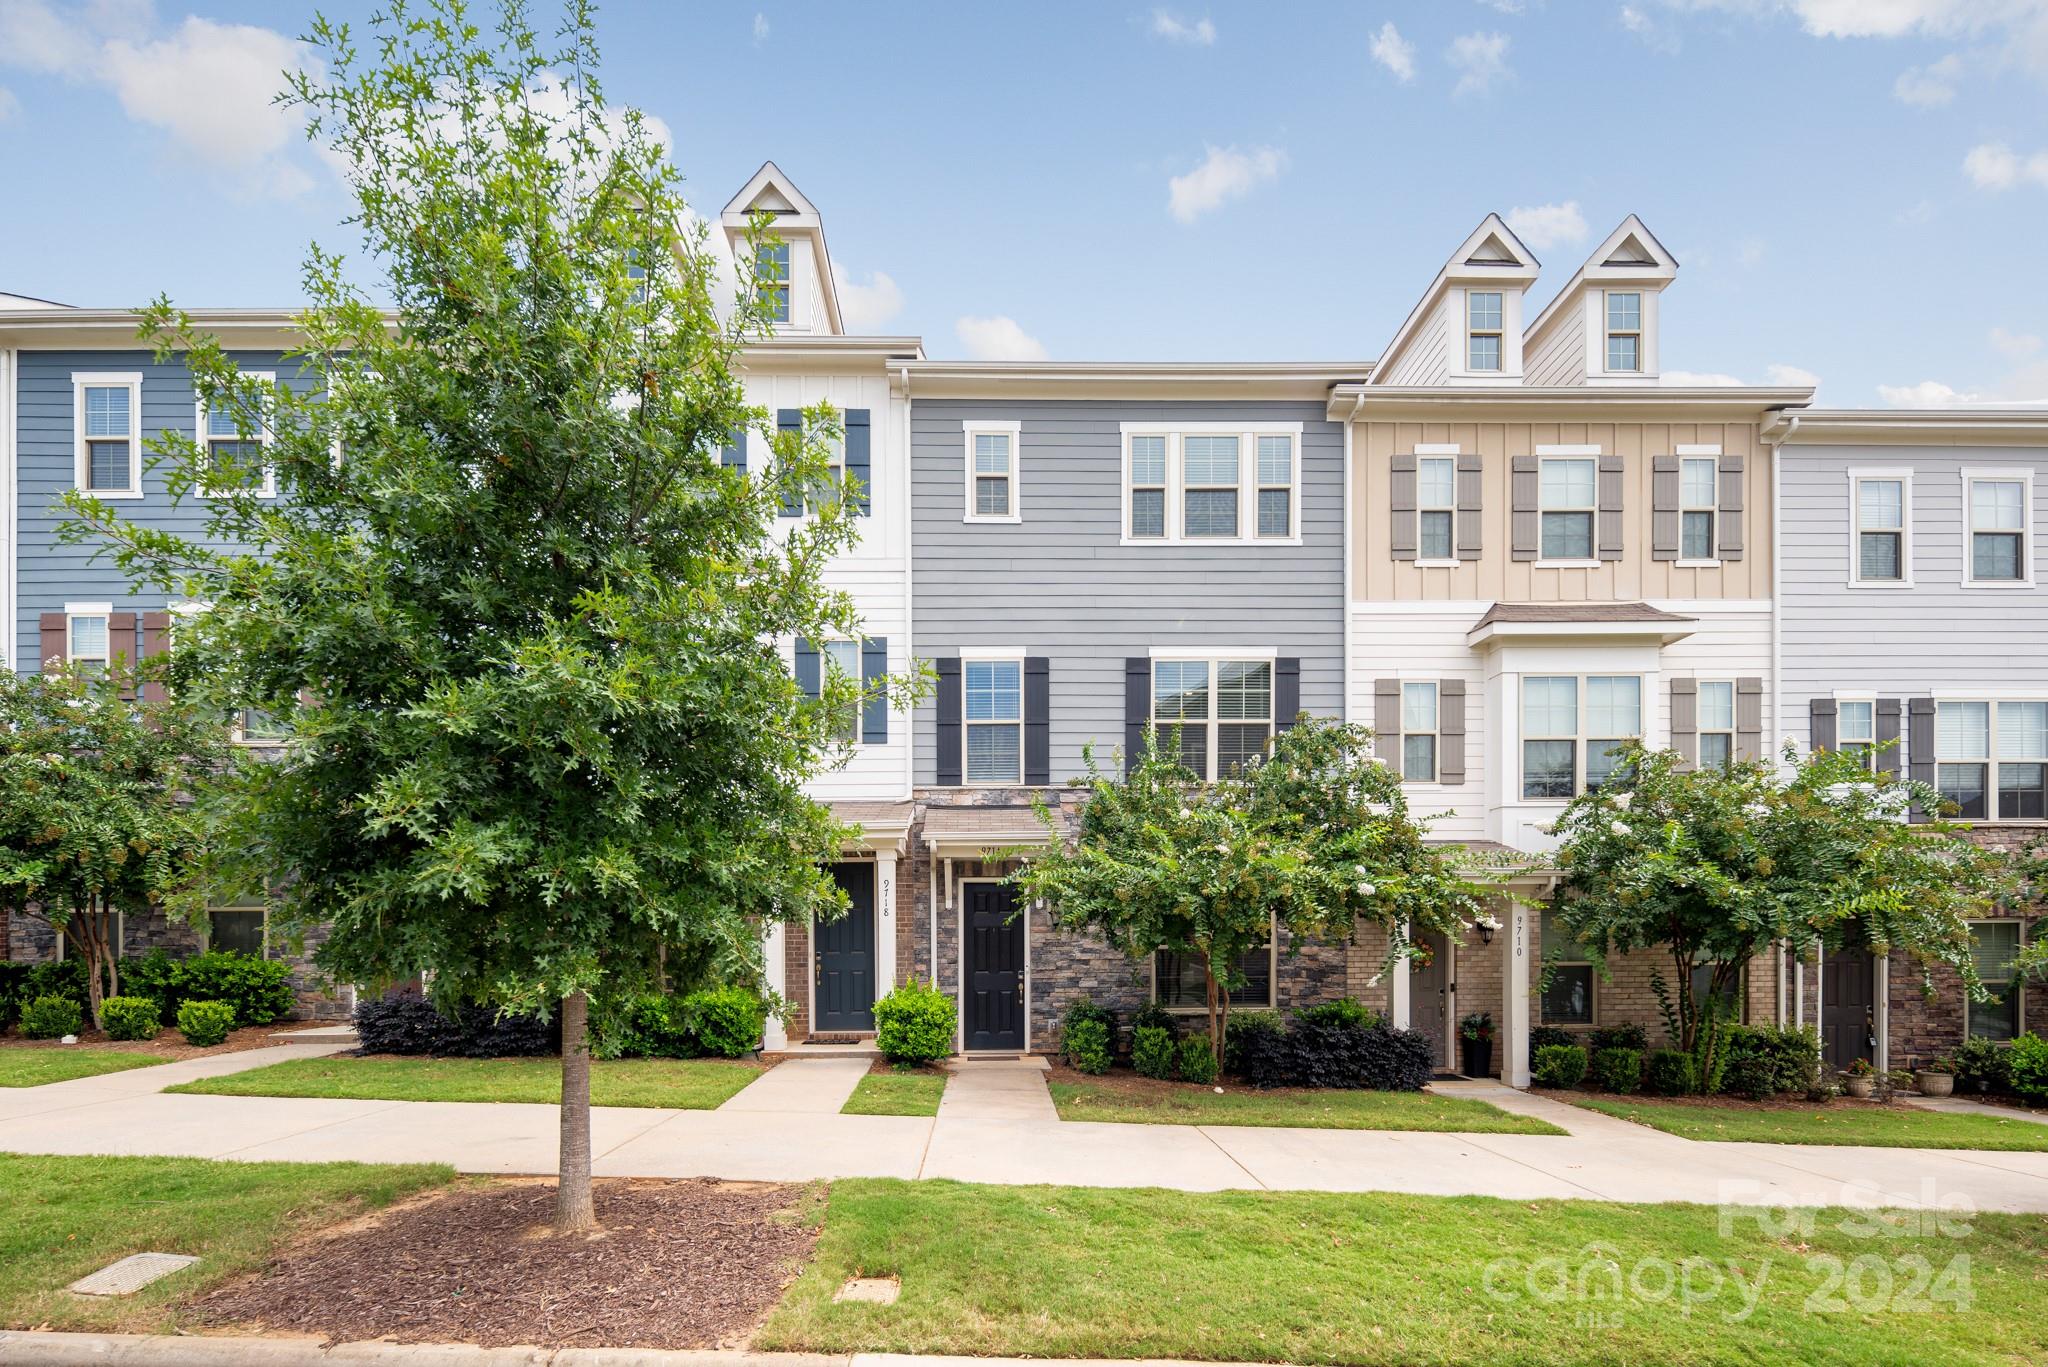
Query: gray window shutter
point(809, 669)
point(734, 456)
point(55, 631)
point(1528, 521)
point(874, 708)
point(1920, 745)
point(1470, 529)
point(1730, 519)
point(949, 722)
point(1749, 718)
point(790, 421)
point(1450, 730)
point(1820, 724)
point(1888, 718)
point(1685, 720)
point(156, 639)
point(1037, 719)
point(1401, 536)
point(1386, 722)
point(1286, 691)
point(1664, 519)
point(1137, 707)
point(1610, 508)
point(857, 459)
point(124, 644)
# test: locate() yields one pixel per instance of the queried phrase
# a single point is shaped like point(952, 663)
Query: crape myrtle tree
point(1305, 840)
point(520, 620)
point(1713, 866)
point(97, 810)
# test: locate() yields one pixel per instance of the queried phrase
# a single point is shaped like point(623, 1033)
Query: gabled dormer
point(796, 273)
point(1467, 330)
point(1601, 329)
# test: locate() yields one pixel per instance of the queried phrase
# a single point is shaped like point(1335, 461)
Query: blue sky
point(1855, 189)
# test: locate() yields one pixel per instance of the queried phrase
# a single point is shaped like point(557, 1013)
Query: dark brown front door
point(1847, 1006)
point(845, 954)
point(1429, 999)
point(995, 968)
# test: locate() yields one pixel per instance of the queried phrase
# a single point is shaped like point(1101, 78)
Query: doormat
point(833, 1039)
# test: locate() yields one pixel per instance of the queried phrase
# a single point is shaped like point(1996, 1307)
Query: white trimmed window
point(1568, 996)
point(232, 455)
point(991, 458)
point(1715, 703)
point(1210, 492)
point(771, 279)
point(1482, 329)
point(1624, 330)
point(1883, 548)
point(1147, 457)
point(242, 928)
point(1699, 504)
point(108, 420)
point(1419, 713)
point(1276, 486)
point(1436, 507)
point(993, 719)
point(1208, 483)
point(88, 638)
point(1992, 758)
point(1214, 714)
point(1180, 982)
point(1994, 945)
point(843, 658)
point(1571, 727)
point(2000, 508)
point(1568, 490)
point(1856, 729)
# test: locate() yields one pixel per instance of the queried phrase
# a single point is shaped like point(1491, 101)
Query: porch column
point(1398, 993)
point(885, 922)
point(773, 1036)
point(1883, 1014)
point(1514, 1035)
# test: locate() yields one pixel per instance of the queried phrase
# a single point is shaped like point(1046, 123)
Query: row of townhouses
point(1504, 545)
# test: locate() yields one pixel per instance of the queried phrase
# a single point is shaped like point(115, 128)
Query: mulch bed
point(689, 1264)
point(169, 1044)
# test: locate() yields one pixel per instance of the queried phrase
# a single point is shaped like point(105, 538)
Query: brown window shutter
point(1820, 724)
point(156, 639)
point(1889, 712)
point(1685, 721)
point(56, 639)
point(124, 646)
point(1749, 718)
point(1920, 746)
point(1386, 722)
point(1401, 502)
point(1610, 508)
point(1470, 529)
point(1730, 520)
point(1450, 728)
point(1664, 519)
point(1528, 522)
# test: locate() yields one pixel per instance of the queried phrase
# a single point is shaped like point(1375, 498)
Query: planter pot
point(1936, 1084)
point(1859, 1086)
point(1478, 1057)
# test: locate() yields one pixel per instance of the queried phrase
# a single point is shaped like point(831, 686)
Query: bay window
point(1571, 728)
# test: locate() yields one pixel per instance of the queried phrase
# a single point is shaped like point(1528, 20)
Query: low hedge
point(205, 1023)
point(2030, 1067)
point(1669, 1072)
point(1763, 1060)
point(413, 1025)
point(914, 1024)
point(1618, 1068)
point(1559, 1065)
point(51, 1017)
point(258, 989)
point(1088, 1036)
point(1352, 1057)
point(130, 1018)
point(1197, 1060)
point(1241, 1030)
point(1153, 1052)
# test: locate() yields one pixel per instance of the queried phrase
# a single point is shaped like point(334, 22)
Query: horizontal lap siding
point(1058, 584)
point(1417, 647)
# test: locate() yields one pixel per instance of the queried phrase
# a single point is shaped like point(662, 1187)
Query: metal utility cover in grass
point(132, 1273)
point(870, 1290)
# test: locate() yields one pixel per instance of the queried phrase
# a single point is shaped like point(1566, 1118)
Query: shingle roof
point(1577, 612)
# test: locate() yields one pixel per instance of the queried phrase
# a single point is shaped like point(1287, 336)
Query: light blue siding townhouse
point(1913, 610)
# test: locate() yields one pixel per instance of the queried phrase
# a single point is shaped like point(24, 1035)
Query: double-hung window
point(992, 471)
point(1568, 990)
point(1436, 507)
point(1210, 491)
point(1856, 730)
point(1148, 487)
point(1571, 728)
point(89, 642)
point(235, 457)
point(1482, 330)
point(1962, 747)
point(1276, 486)
point(771, 279)
point(1999, 550)
point(1568, 497)
point(843, 658)
point(239, 928)
point(1180, 983)
point(1699, 504)
point(1211, 482)
point(1715, 701)
point(1881, 510)
point(1214, 714)
point(1624, 330)
point(1418, 732)
point(1993, 947)
point(994, 720)
point(108, 420)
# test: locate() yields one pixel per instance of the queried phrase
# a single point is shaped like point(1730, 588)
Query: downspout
point(1777, 660)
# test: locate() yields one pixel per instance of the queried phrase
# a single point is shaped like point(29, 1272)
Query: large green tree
point(1308, 839)
point(520, 619)
point(1714, 866)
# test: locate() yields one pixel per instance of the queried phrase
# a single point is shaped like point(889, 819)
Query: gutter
point(1778, 629)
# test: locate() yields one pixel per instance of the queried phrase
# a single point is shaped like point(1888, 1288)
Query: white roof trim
point(1522, 269)
point(1523, 633)
point(1660, 269)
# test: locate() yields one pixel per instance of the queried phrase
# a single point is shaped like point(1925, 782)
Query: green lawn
point(1064, 1272)
point(896, 1094)
point(1893, 1127)
point(70, 1216)
point(698, 1084)
point(1136, 1102)
point(34, 1067)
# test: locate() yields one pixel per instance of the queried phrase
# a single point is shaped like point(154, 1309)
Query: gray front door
point(845, 955)
point(1429, 999)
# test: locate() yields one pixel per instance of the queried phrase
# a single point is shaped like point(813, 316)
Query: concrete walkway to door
point(808, 1086)
point(997, 1089)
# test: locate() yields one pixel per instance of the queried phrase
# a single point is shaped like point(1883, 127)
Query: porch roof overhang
point(883, 825)
point(1607, 623)
point(980, 832)
point(1535, 871)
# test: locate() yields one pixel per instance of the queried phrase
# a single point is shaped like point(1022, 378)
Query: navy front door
point(995, 968)
point(844, 951)
point(1848, 1006)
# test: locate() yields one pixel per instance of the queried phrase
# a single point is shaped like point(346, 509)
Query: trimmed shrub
point(1307, 1054)
point(205, 1023)
point(914, 1024)
point(1197, 1059)
point(159, 977)
point(1153, 1053)
point(1560, 1065)
point(1343, 1011)
point(1669, 1073)
point(1750, 1077)
point(1086, 1042)
point(724, 1022)
point(50, 1017)
point(58, 978)
point(1153, 1016)
point(2030, 1067)
point(1544, 1037)
point(412, 1025)
point(130, 1018)
point(1981, 1061)
point(1617, 1069)
point(639, 1025)
point(259, 990)
point(1242, 1028)
point(1762, 1060)
point(1618, 1037)
point(1080, 1013)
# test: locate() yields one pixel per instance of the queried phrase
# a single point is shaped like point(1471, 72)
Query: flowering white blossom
point(1621, 828)
point(1374, 980)
point(1487, 921)
point(1621, 800)
point(1366, 889)
point(1185, 814)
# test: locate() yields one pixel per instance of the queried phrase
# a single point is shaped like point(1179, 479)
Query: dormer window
point(1624, 330)
point(771, 279)
point(1483, 329)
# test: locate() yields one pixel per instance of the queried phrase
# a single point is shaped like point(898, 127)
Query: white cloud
point(760, 28)
point(2014, 32)
point(997, 339)
point(1225, 174)
point(1506, 6)
point(1917, 213)
point(1995, 166)
point(864, 308)
point(2017, 345)
point(1658, 36)
point(1170, 26)
point(9, 105)
point(1481, 61)
point(1929, 86)
point(1543, 226)
point(1394, 52)
point(1926, 394)
point(1698, 379)
point(1792, 376)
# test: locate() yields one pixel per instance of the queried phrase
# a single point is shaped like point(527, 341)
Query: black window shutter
point(857, 459)
point(734, 456)
point(809, 674)
point(1137, 708)
point(1920, 745)
point(874, 708)
point(789, 422)
point(949, 722)
point(1820, 724)
point(1286, 691)
point(1888, 717)
point(1037, 719)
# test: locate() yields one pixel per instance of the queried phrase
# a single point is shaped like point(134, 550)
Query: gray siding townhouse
point(1913, 612)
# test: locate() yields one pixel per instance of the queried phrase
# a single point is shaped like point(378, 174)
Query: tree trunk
point(1215, 1014)
point(573, 1207)
point(87, 932)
